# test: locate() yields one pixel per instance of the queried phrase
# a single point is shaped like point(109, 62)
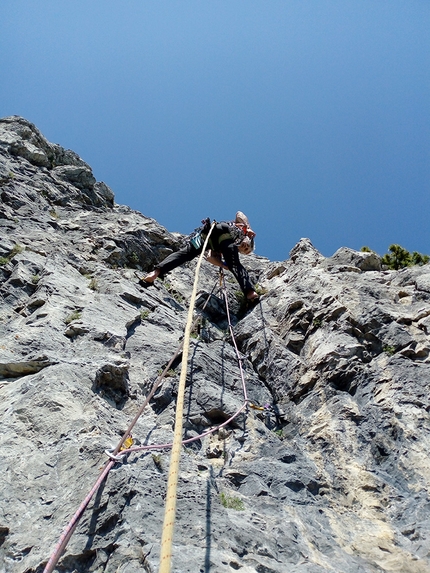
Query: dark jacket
point(222, 241)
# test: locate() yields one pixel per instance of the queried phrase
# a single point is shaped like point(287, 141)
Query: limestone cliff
point(333, 477)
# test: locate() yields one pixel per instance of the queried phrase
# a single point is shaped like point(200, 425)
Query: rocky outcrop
point(332, 475)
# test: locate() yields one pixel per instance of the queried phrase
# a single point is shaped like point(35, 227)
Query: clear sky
point(311, 116)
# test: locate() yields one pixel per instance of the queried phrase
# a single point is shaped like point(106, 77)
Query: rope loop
point(112, 456)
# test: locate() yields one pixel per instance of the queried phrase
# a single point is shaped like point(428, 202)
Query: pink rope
point(239, 359)
point(188, 440)
point(67, 533)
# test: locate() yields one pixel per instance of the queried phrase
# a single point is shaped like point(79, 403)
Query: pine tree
point(399, 258)
point(419, 259)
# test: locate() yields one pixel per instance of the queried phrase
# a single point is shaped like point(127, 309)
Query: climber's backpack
point(196, 238)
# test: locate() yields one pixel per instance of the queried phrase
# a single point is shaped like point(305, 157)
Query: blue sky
point(311, 116)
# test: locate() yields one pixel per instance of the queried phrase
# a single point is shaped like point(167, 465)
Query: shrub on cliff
point(399, 258)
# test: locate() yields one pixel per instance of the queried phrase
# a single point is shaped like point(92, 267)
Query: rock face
point(333, 476)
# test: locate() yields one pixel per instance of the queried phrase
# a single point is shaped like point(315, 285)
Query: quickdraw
point(266, 407)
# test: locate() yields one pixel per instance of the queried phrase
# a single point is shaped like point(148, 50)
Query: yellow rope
point(172, 484)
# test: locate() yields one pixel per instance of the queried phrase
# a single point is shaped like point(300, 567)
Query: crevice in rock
point(79, 563)
point(111, 382)
point(24, 367)
point(4, 532)
point(131, 329)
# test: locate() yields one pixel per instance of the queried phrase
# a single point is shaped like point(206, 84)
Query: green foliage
point(156, 458)
point(419, 259)
point(260, 290)
point(35, 279)
point(169, 374)
point(15, 251)
point(240, 297)
point(144, 314)
point(231, 502)
point(279, 433)
point(174, 293)
point(75, 315)
point(399, 258)
point(178, 297)
point(94, 285)
point(54, 214)
point(132, 259)
point(317, 322)
point(390, 350)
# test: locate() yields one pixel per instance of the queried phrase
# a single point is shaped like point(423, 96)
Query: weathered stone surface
point(63, 179)
point(328, 471)
point(345, 258)
point(423, 282)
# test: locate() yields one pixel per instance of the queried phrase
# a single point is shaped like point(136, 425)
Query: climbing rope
point(170, 509)
point(172, 483)
point(230, 326)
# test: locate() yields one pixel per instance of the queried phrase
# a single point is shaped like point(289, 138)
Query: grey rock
point(423, 281)
point(305, 252)
point(80, 177)
point(346, 258)
point(13, 368)
point(326, 470)
point(22, 138)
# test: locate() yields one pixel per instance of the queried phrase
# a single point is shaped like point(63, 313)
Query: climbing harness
point(125, 445)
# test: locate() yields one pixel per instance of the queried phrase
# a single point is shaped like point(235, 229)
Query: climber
point(227, 240)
